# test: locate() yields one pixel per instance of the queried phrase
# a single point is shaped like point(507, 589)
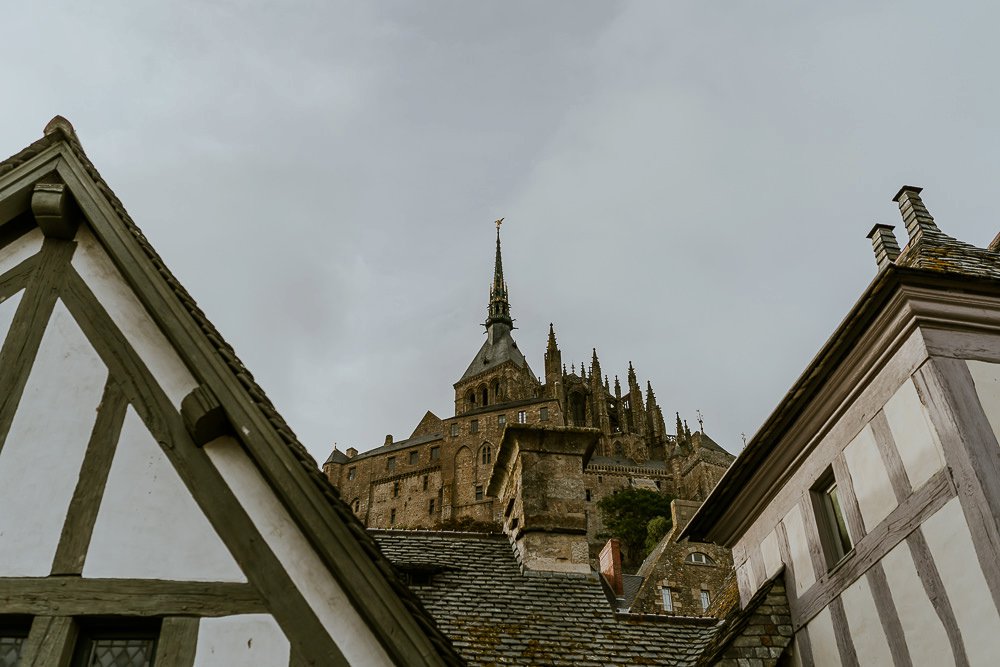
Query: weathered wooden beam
point(54, 210)
point(213, 495)
point(50, 642)
point(82, 514)
point(25, 334)
point(204, 416)
point(889, 616)
point(177, 643)
point(76, 596)
point(902, 521)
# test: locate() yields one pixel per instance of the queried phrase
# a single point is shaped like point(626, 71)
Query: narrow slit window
point(834, 537)
point(706, 600)
point(668, 599)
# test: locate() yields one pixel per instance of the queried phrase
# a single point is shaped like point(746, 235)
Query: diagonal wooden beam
point(79, 525)
point(211, 492)
point(21, 345)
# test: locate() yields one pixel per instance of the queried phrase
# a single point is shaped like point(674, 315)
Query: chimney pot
point(388, 439)
point(351, 452)
point(884, 244)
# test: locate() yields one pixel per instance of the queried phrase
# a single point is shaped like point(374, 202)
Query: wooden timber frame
point(362, 573)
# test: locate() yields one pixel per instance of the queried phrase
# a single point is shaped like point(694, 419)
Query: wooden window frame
point(834, 536)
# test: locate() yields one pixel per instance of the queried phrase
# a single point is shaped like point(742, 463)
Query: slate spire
point(499, 308)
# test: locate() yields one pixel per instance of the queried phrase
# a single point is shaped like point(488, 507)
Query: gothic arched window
point(487, 455)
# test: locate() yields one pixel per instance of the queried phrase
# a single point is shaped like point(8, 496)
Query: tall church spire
point(499, 309)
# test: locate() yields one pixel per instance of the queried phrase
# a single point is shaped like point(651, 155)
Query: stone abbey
point(439, 476)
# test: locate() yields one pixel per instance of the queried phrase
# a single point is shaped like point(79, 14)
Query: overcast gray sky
point(686, 185)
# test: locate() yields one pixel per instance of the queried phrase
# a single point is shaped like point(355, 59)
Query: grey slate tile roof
point(494, 353)
point(495, 615)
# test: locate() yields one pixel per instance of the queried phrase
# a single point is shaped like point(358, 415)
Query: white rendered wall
point(149, 526)
point(922, 629)
point(14, 253)
point(986, 377)
point(97, 270)
point(870, 643)
point(798, 549)
point(871, 480)
point(950, 543)
point(314, 581)
point(915, 437)
point(823, 641)
point(771, 554)
point(40, 461)
point(7, 310)
point(251, 639)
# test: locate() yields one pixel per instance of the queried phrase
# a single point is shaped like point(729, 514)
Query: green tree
point(655, 530)
point(626, 514)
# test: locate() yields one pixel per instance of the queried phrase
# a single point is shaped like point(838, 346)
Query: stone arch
point(470, 399)
point(465, 476)
point(497, 396)
point(484, 397)
point(486, 453)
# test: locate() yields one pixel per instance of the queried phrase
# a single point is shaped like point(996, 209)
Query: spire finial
point(499, 308)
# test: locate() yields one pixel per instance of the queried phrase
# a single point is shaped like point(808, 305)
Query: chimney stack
point(884, 244)
point(351, 452)
point(611, 565)
point(916, 216)
point(388, 440)
point(538, 480)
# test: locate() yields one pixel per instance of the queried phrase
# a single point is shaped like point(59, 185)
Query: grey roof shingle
point(495, 614)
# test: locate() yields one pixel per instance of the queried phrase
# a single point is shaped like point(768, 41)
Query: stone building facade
point(438, 476)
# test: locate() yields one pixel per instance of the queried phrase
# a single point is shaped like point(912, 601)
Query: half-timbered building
point(873, 490)
point(154, 507)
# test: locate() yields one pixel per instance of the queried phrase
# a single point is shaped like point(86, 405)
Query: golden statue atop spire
point(498, 223)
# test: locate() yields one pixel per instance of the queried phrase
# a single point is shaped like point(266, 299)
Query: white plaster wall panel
point(870, 642)
point(798, 549)
point(745, 581)
point(922, 629)
point(149, 525)
point(916, 440)
point(986, 377)
point(323, 594)
point(250, 639)
point(871, 480)
point(823, 641)
point(7, 309)
point(96, 268)
point(947, 535)
point(771, 554)
point(40, 461)
point(14, 253)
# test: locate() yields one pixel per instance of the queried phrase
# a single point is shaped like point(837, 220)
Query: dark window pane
point(120, 653)
point(10, 651)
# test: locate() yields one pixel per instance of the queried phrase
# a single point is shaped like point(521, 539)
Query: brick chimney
point(538, 480)
point(611, 565)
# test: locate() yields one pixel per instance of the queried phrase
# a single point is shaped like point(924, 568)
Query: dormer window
point(699, 558)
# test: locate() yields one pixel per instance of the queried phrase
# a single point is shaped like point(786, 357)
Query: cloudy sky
point(685, 185)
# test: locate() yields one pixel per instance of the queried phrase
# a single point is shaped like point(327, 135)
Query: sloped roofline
point(730, 495)
point(405, 629)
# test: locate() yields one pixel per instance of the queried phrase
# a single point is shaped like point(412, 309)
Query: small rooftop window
point(699, 558)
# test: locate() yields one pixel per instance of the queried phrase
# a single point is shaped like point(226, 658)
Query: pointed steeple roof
point(499, 346)
point(499, 308)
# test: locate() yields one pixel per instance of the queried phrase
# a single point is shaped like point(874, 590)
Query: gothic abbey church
point(439, 476)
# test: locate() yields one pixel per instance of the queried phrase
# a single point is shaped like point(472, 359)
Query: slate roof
point(60, 130)
point(495, 614)
point(496, 350)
